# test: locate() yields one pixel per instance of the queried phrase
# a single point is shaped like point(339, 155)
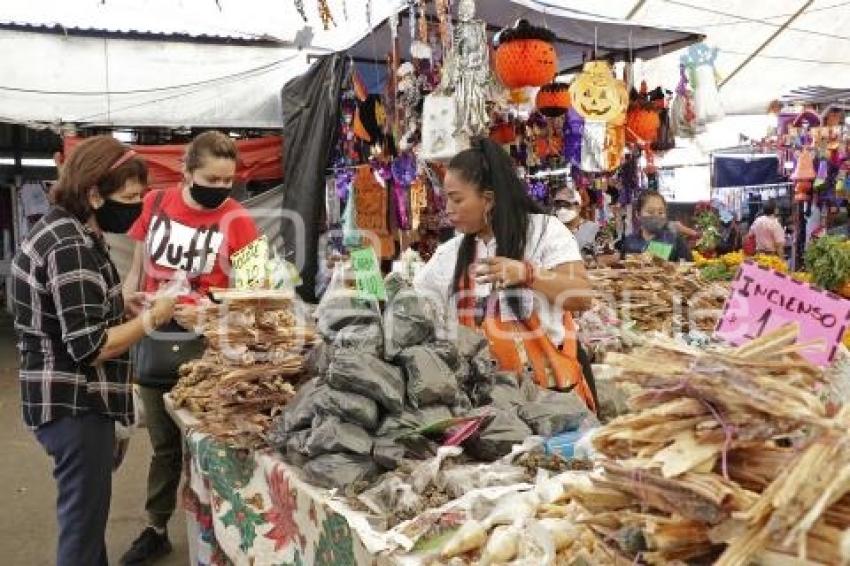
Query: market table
point(252, 508)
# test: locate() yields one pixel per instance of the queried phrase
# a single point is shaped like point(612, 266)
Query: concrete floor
point(27, 490)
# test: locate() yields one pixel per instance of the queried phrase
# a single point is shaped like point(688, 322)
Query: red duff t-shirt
point(198, 242)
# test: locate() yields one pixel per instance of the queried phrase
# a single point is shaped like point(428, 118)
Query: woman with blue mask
point(654, 234)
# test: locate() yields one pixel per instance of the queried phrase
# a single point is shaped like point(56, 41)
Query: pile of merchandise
point(728, 457)
point(726, 266)
point(385, 388)
point(728, 454)
point(255, 355)
point(654, 295)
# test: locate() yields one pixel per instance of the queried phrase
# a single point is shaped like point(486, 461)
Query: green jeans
point(167, 460)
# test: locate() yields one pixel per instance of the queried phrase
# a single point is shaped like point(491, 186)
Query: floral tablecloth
point(253, 509)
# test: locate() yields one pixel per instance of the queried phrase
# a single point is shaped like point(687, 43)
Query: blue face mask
point(653, 224)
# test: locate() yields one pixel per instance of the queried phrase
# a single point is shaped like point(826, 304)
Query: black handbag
point(159, 357)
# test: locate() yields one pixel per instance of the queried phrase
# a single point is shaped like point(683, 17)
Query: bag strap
point(157, 203)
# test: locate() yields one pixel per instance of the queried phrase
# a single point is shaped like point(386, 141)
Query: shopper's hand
point(162, 311)
point(187, 316)
point(134, 302)
point(500, 271)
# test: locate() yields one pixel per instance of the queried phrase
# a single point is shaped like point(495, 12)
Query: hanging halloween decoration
point(370, 119)
point(457, 110)
point(503, 133)
point(805, 168)
point(642, 120)
point(370, 201)
point(325, 14)
point(597, 95)
point(525, 56)
point(418, 202)
point(553, 99)
point(683, 116)
point(699, 61)
point(820, 179)
point(573, 134)
point(665, 139)
point(803, 175)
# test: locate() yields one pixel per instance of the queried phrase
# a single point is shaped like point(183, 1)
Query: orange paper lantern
point(553, 99)
point(525, 56)
point(642, 125)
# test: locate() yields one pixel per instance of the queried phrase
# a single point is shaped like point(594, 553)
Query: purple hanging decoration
point(573, 132)
point(403, 171)
point(537, 190)
point(344, 177)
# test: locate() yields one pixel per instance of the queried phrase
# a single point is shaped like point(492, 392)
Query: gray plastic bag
point(365, 338)
point(499, 436)
point(368, 376)
point(332, 435)
point(348, 406)
point(387, 453)
point(407, 322)
point(339, 470)
point(506, 392)
point(550, 413)
point(296, 447)
point(429, 380)
point(469, 342)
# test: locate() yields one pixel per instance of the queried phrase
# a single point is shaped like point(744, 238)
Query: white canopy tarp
point(814, 48)
point(93, 75)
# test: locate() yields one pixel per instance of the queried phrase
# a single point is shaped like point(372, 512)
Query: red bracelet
point(529, 274)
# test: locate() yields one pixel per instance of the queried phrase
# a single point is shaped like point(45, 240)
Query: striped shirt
point(66, 294)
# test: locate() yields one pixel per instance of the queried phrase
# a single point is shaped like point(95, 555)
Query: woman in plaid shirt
point(69, 316)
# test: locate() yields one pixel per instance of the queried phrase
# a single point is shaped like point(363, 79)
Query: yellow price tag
point(250, 265)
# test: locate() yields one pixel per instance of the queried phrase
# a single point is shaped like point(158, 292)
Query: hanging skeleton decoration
point(466, 72)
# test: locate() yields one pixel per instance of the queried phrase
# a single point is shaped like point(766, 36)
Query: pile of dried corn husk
point(255, 353)
point(660, 296)
point(729, 455)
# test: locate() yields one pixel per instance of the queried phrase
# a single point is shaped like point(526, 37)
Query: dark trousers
point(167, 460)
point(81, 448)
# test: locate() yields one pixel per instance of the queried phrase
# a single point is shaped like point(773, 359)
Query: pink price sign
point(763, 300)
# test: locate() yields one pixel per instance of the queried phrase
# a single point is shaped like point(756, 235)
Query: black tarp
point(740, 171)
point(310, 126)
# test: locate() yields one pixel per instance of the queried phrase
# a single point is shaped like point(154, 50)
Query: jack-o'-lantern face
point(596, 95)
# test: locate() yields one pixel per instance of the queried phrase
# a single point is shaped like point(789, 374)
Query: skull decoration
point(597, 95)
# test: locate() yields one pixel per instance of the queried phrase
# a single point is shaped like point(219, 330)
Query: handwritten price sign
point(367, 274)
point(249, 265)
point(763, 300)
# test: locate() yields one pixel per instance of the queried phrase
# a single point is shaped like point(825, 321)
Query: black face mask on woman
point(117, 217)
point(209, 197)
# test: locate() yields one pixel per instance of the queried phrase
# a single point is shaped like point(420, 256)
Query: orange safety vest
point(517, 344)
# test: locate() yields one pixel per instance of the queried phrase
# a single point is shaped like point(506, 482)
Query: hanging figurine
point(683, 117)
point(700, 63)
point(466, 72)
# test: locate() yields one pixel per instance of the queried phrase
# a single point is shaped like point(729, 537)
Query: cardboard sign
point(660, 250)
point(249, 265)
point(763, 300)
point(367, 274)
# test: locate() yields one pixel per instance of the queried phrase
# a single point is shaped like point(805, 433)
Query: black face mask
point(209, 197)
point(117, 217)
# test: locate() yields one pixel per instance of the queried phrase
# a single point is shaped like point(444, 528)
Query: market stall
point(414, 92)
